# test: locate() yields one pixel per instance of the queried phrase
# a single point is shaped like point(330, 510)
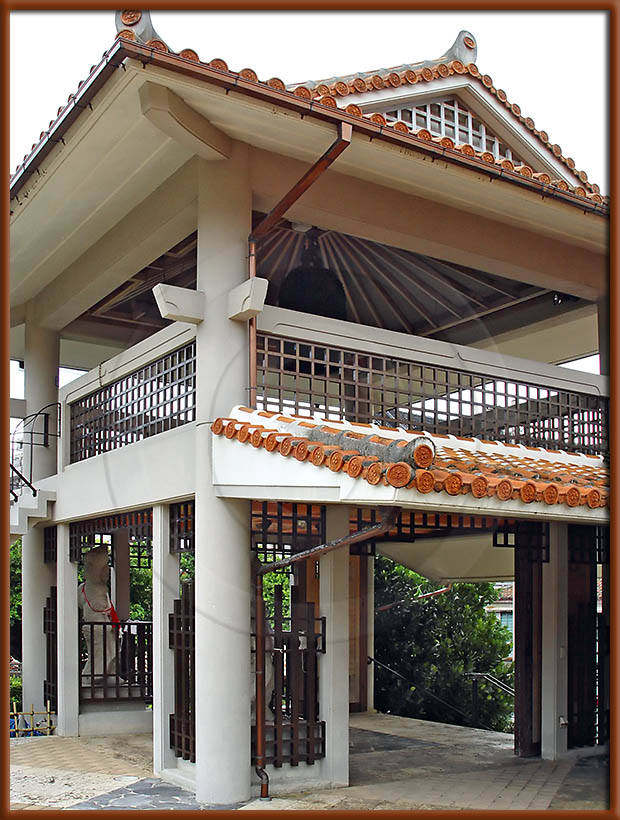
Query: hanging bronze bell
point(311, 287)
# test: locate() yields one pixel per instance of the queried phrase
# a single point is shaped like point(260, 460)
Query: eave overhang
point(270, 92)
point(266, 456)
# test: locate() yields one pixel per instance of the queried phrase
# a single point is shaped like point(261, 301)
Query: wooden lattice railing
point(121, 661)
point(295, 734)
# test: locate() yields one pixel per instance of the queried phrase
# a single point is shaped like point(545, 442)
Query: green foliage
point(434, 643)
point(141, 594)
point(15, 577)
point(186, 566)
point(15, 692)
point(270, 581)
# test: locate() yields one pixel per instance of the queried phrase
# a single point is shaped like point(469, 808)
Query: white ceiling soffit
point(112, 159)
point(453, 558)
point(279, 130)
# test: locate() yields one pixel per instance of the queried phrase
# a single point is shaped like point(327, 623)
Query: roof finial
point(137, 25)
point(464, 49)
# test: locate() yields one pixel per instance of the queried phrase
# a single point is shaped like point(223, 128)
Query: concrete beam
point(163, 219)
point(402, 220)
point(247, 299)
point(18, 315)
point(18, 408)
point(180, 304)
point(178, 120)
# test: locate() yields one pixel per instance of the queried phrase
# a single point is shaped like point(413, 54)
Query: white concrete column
point(334, 665)
point(554, 729)
point(119, 582)
point(165, 590)
point(222, 568)
point(603, 335)
point(37, 578)
point(68, 646)
point(370, 703)
point(41, 360)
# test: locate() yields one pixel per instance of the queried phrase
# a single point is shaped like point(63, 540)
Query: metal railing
point(24, 438)
point(18, 481)
point(475, 701)
point(429, 693)
point(157, 397)
point(307, 377)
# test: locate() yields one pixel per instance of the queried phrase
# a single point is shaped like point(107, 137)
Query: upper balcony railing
point(147, 390)
point(326, 368)
point(315, 366)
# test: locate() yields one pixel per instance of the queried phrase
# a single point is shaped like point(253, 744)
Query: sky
point(528, 54)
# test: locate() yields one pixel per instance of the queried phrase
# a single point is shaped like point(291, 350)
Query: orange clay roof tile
point(505, 472)
point(361, 83)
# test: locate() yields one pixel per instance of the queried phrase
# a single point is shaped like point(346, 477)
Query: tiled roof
point(505, 593)
point(429, 71)
point(134, 26)
point(425, 462)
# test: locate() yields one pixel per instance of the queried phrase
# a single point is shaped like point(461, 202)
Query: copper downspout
point(252, 327)
point(387, 522)
point(343, 140)
point(260, 690)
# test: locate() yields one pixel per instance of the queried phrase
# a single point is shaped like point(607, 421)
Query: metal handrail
point(475, 677)
point(426, 691)
point(492, 679)
point(45, 433)
point(23, 480)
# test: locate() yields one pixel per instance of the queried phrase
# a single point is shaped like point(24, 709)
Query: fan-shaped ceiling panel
point(393, 288)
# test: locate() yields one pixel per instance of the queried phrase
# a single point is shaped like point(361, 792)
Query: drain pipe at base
point(388, 519)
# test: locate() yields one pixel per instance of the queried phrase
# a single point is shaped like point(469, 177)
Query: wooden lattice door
point(50, 629)
point(182, 641)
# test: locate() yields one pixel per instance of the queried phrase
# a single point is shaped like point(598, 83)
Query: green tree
point(15, 598)
point(141, 594)
point(434, 643)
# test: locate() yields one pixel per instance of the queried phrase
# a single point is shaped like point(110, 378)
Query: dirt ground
point(57, 772)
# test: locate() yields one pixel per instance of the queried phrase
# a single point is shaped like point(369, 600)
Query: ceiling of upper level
point(383, 287)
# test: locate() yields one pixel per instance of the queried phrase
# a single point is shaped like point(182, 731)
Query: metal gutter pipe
point(343, 140)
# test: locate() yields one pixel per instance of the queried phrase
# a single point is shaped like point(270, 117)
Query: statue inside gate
point(96, 606)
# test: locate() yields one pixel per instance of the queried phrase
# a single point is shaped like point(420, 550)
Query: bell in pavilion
point(311, 287)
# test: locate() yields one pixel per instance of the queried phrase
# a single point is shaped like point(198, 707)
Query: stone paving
point(395, 763)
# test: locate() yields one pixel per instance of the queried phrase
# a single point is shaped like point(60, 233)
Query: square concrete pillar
point(69, 666)
point(554, 701)
point(37, 578)
point(41, 360)
point(165, 590)
point(222, 531)
point(334, 665)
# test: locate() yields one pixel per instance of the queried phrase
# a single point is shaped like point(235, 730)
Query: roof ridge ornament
point(464, 48)
point(137, 25)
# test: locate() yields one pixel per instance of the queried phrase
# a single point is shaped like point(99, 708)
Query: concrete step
point(29, 510)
